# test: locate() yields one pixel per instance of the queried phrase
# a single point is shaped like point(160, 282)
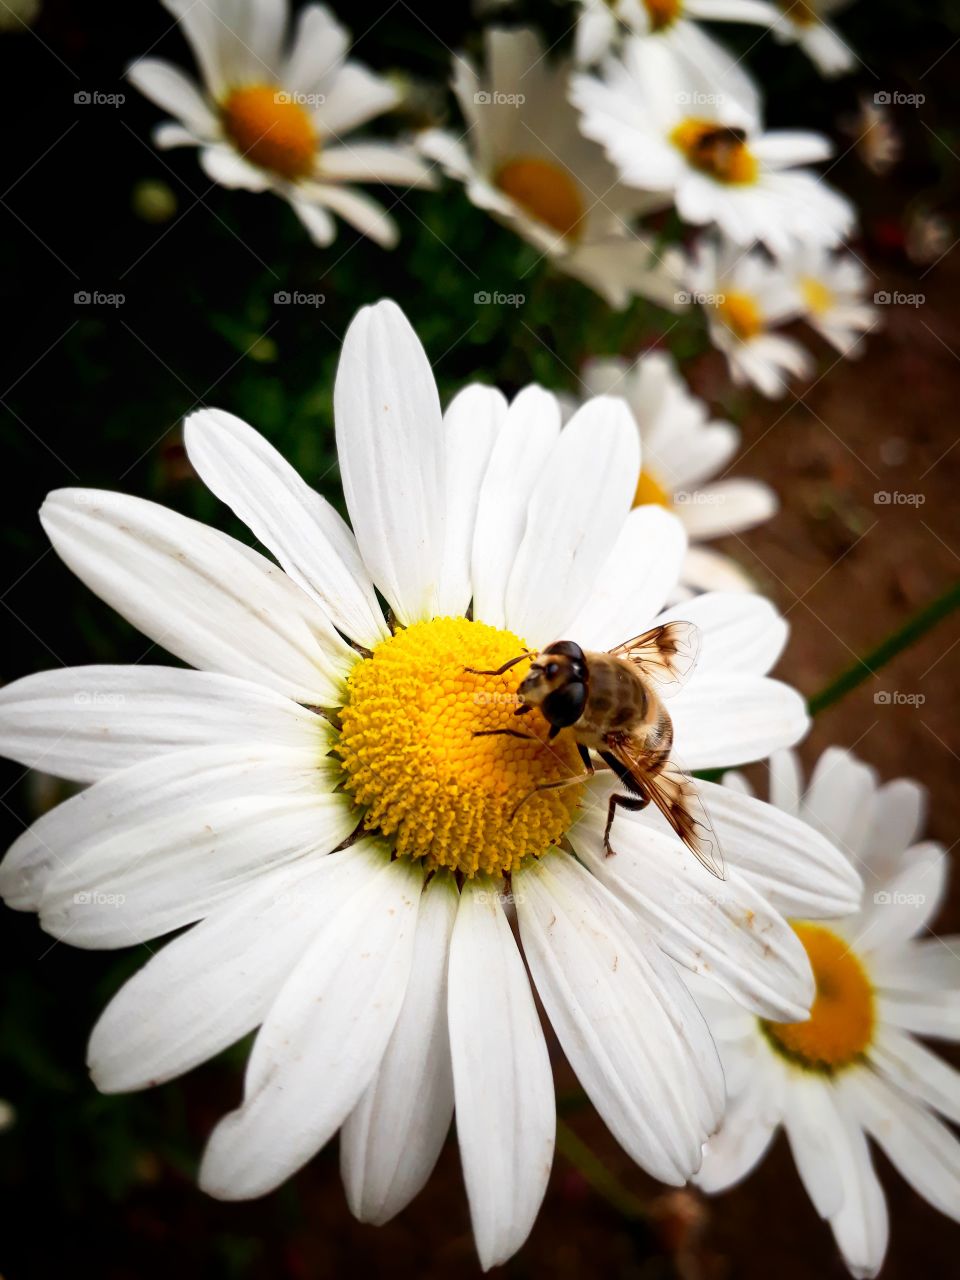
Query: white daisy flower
point(527, 164)
point(672, 125)
point(833, 290)
point(854, 1069)
point(681, 452)
point(804, 22)
point(382, 971)
point(601, 22)
point(743, 295)
point(274, 119)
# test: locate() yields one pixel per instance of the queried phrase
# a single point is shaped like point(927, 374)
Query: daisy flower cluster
point(432, 798)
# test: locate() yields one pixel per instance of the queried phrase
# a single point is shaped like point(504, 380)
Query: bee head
point(557, 683)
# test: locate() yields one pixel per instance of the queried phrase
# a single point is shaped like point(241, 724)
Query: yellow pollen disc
point(662, 13)
point(270, 130)
point(412, 762)
point(717, 152)
point(801, 12)
point(842, 1018)
point(739, 312)
point(544, 190)
point(649, 490)
point(816, 295)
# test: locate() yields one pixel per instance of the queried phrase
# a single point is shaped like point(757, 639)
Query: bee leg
point(500, 670)
point(552, 786)
point(632, 803)
point(496, 733)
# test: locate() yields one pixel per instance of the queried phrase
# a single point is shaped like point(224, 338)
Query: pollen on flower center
point(650, 490)
point(270, 130)
point(816, 295)
point(412, 761)
point(545, 190)
point(715, 150)
point(662, 13)
point(842, 1018)
point(801, 12)
point(741, 314)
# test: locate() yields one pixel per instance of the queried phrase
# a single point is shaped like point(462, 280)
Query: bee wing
point(666, 654)
point(677, 796)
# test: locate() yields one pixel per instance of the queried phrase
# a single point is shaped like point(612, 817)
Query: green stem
point(597, 1175)
point(895, 643)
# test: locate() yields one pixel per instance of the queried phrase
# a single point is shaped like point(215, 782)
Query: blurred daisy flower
point(670, 126)
point(832, 288)
point(601, 22)
point(854, 1070)
point(682, 451)
point(804, 22)
point(267, 119)
point(529, 166)
point(325, 816)
point(744, 295)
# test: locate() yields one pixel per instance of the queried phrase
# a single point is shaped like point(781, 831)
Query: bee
point(717, 149)
point(613, 704)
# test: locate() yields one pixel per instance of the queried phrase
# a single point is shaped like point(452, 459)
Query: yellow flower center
point(842, 1018)
point(546, 191)
point(816, 295)
point(740, 313)
point(270, 130)
point(715, 150)
point(650, 490)
point(662, 13)
point(412, 760)
point(802, 12)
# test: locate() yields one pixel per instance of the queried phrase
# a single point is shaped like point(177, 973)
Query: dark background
point(94, 395)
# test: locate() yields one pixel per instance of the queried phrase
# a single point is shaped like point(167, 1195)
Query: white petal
point(204, 597)
point(171, 90)
point(321, 227)
point(922, 1149)
point(861, 1226)
point(786, 781)
point(235, 41)
point(83, 723)
point(212, 985)
point(898, 817)
point(133, 883)
point(797, 870)
point(924, 966)
point(319, 46)
point(355, 207)
point(916, 1071)
point(520, 452)
point(322, 1040)
point(841, 788)
point(470, 424)
point(506, 1115)
point(732, 719)
point(739, 632)
point(308, 537)
point(634, 583)
point(391, 1140)
point(225, 166)
point(928, 1013)
point(722, 929)
point(355, 96)
point(374, 162)
point(749, 1123)
point(812, 1123)
point(153, 791)
point(726, 507)
point(898, 909)
point(390, 447)
point(626, 1022)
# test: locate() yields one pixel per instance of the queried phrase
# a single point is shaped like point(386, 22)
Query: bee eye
point(552, 670)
